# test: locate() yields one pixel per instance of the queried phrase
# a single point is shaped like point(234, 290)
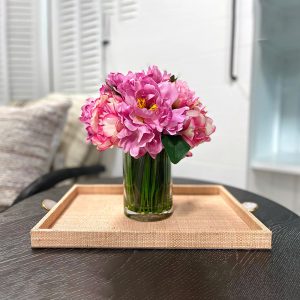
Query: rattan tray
point(205, 217)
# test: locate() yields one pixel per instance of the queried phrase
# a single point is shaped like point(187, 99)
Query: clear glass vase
point(147, 187)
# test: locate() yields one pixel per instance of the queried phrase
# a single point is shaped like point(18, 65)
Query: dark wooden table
point(148, 274)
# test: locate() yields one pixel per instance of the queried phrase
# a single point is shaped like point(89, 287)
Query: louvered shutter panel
point(27, 48)
point(4, 86)
point(76, 45)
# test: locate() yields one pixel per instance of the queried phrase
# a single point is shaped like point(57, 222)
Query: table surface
point(148, 274)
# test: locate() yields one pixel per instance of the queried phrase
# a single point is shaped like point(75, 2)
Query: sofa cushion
point(73, 150)
point(29, 140)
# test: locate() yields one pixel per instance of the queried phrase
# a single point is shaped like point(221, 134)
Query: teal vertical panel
point(275, 112)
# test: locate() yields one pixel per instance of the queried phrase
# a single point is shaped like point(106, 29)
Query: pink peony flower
point(157, 75)
point(176, 120)
point(86, 115)
point(186, 97)
point(102, 121)
point(155, 146)
point(169, 93)
point(197, 128)
point(134, 141)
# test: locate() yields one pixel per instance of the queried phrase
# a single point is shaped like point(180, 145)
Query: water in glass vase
point(147, 187)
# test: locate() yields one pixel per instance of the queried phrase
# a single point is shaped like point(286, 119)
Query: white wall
point(192, 39)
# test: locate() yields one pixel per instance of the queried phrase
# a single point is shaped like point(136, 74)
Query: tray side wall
point(57, 210)
point(240, 210)
point(221, 240)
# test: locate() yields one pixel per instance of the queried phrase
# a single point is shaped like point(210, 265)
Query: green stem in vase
point(147, 184)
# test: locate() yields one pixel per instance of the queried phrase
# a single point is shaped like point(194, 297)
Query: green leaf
point(175, 146)
point(173, 78)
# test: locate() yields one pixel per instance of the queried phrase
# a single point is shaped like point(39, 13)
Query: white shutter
point(20, 48)
point(4, 87)
point(76, 45)
point(26, 44)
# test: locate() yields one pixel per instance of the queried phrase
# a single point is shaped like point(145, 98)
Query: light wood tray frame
point(205, 217)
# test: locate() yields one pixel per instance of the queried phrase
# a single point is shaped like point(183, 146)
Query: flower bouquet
point(156, 119)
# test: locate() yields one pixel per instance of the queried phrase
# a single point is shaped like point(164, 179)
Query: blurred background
point(241, 57)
